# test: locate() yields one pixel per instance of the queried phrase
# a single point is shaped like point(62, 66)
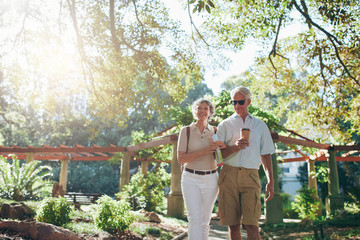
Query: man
point(239, 184)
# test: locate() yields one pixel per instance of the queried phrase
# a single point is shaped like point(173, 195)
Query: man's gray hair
point(243, 90)
point(196, 105)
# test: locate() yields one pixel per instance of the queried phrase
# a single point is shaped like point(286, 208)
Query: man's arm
point(267, 164)
point(239, 145)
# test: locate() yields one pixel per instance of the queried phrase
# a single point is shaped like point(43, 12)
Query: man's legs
point(234, 232)
point(252, 232)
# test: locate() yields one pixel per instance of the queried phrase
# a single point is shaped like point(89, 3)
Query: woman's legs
point(199, 193)
point(209, 191)
point(192, 197)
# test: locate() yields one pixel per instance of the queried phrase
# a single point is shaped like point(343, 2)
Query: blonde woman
point(199, 182)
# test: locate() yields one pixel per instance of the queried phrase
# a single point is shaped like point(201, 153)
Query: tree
point(317, 68)
point(140, 54)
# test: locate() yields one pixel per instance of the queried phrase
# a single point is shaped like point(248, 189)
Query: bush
point(112, 215)
point(55, 211)
point(289, 212)
point(305, 203)
point(23, 181)
point(146, 191)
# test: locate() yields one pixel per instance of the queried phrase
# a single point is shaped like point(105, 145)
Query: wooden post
point(175, 200)
point(334, 201)
point(313, 183)
point(125, 170)
point(274, 208)
point(144, 167)
point(63, 174)
point(30, 157)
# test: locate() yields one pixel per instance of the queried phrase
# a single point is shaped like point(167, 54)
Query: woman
point(199, 178)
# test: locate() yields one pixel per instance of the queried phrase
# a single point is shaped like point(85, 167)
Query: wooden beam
point(288, 140)
point(150, 144)
point(346, 148)
point(61, 149)
point(298, 159)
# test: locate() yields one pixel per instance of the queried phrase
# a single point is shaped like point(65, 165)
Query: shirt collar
point(235, 115)
point(193, 126)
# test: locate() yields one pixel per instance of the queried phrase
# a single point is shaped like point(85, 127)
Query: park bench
point(82, 198)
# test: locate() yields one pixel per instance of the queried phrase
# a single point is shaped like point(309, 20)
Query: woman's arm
point(184, 157)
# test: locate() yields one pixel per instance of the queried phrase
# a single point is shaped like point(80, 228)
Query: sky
point(240, 61)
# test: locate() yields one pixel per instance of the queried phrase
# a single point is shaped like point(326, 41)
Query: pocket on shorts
point(257, 205)
point(221, 204)
point(255, 177)
point(222, 176)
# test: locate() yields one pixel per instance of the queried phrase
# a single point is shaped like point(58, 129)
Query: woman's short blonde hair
point(196, 105)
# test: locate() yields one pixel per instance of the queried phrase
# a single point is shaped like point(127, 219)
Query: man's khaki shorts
point(239, 196)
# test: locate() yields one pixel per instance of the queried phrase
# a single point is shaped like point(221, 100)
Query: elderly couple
point(238, 184)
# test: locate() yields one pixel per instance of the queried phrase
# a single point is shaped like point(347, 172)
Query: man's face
point(241, 109)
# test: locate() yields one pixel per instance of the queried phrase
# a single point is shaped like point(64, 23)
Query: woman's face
point(203, 111)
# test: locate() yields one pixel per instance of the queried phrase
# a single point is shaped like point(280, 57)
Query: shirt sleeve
point(267, 144)
point(182, 141)
point(221, 132)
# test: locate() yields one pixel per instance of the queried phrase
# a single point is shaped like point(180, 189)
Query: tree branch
point(193, 24)
point(331, 37)
point(114, 39)
point(273, 50)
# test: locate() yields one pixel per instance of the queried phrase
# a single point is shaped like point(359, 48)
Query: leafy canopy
point(313, 72)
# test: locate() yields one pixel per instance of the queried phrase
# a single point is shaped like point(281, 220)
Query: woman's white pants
point(199, 193)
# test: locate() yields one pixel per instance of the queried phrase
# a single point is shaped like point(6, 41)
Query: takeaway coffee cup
point(245, 133)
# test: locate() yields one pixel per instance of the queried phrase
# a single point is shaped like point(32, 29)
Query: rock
point(18, 196)
point(106, 236)
point(153, 217)
point(39, 230)
point(16, 211)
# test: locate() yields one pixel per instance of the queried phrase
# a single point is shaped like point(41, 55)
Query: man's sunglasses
point(240, 102)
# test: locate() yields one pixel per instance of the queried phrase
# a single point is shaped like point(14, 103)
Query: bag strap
point(215, 129)
point(187, 136)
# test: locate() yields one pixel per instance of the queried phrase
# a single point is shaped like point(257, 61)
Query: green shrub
point(112, 215)
point(305, 203)
point(23, 181)
point(55, 211)
point(288, 211)
point(146, 191)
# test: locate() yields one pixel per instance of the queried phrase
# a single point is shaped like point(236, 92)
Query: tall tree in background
point(134, 54)
point(314, 72)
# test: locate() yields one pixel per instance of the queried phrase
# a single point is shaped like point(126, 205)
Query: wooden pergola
point(175, 201)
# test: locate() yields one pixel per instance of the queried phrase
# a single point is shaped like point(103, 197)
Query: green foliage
point(147, 191)
point(93, 177)
point(55, 211)
point(321, 173)
point(310, 78)
point(160, 153)
point(22, 181)
point(111, 215)
point(305, 203)
point(289, 212)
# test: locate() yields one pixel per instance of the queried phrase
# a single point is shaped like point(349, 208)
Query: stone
point(16, 211)
point(39, 230)
point(153, 217)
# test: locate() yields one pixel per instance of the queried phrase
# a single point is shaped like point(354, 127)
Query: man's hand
point(269, 191)
point(242, 143)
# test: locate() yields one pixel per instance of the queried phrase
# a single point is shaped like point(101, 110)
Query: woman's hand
point(211, 148)
point(220, 144)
